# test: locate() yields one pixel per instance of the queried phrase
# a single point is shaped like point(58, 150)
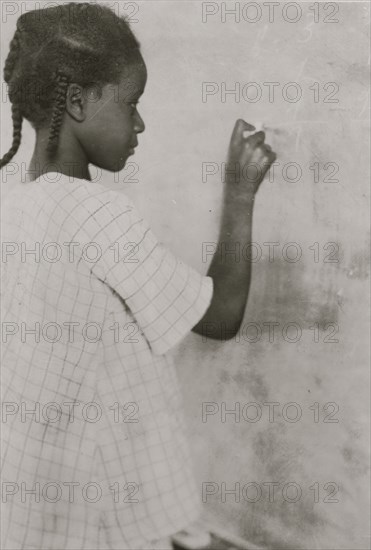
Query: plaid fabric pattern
point(94, 443)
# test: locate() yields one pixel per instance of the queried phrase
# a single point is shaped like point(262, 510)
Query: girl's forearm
point(230, 268)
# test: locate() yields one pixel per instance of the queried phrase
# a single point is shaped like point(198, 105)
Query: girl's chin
point(124, 158)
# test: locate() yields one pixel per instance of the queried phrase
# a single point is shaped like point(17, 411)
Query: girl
point(95, 453)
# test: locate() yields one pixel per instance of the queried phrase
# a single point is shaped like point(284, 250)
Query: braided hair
point(16, 111)
point(80, 43)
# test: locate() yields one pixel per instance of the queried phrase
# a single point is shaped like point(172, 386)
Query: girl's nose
point(139, 126)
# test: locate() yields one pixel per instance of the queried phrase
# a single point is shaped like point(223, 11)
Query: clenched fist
point(249, 158)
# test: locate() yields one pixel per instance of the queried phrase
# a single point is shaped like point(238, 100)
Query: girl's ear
point(76, 102)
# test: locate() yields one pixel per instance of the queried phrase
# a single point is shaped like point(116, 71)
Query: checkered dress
point(94, 441)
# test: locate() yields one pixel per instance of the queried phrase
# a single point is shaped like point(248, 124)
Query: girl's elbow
point(222, 331)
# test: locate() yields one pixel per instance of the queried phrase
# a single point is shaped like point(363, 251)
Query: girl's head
point(76, 71)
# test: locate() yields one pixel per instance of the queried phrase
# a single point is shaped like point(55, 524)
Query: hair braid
point(17, 134)
point(58, 111)
point(12, 58)
point(17, 117)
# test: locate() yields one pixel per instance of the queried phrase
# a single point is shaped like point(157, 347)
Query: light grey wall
point(182, 52)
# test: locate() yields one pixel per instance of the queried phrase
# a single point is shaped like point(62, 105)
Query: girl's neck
point(69, 158)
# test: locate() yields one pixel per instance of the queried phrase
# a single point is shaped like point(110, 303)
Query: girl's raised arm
point(231, 276)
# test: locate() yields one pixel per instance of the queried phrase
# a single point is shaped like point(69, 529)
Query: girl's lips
point(132, 149)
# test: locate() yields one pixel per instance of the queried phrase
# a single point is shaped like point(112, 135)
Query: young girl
point(94, 448)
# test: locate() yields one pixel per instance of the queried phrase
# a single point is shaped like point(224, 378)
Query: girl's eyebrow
point(134, 92)
point(134, 98)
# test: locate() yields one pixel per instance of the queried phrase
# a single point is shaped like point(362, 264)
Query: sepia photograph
point(185, 275)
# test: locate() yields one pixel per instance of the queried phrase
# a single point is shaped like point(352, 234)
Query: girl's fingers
point(256, 139)
point(251, 149)
point(237, 134)
point(269, 160)
point(259, 154)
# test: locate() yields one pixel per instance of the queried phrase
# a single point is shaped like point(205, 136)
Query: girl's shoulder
point(60, 192)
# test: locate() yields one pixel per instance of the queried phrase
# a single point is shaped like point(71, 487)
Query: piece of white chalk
point(259, 126)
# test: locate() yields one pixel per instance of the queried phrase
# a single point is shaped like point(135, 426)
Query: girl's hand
point(249, 159)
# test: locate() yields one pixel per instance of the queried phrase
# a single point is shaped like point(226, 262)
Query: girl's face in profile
point(113, 122)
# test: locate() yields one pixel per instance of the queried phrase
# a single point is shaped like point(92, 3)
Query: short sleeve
point(166, 296)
